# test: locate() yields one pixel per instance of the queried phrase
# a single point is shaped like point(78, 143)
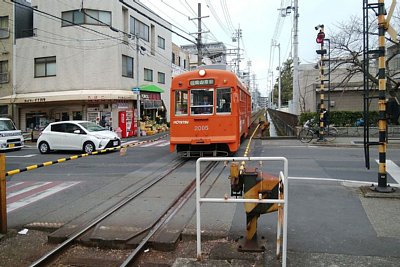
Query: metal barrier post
point(282, 231)
point(3, 197)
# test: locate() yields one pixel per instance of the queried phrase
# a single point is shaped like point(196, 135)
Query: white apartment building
point(83, 63)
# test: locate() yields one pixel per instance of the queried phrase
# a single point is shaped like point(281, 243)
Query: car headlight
point(101, 137)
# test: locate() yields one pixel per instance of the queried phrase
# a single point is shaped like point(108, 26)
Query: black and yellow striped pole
point(320, 40)
point(3, 196)
point(382, 175)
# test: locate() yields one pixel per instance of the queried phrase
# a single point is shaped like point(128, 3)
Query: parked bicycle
point(311, 130)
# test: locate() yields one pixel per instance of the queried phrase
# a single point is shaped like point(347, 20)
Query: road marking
point(24, 156)
point(156, 143)
point(392, 169)
point(23, 193)
point(334, 180)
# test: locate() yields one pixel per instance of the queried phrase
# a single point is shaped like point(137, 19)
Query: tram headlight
point(202, 72)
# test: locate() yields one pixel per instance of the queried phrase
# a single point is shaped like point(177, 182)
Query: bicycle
point(310, 131)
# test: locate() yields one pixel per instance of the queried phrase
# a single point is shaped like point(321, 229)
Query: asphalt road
point(324, 215)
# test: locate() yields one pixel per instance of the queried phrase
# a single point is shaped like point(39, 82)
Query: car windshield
point(7, 125)
point(91, 126)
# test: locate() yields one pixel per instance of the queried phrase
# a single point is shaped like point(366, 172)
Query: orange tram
point(210, 113)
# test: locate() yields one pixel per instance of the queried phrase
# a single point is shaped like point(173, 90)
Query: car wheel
point(44, 147)
point(89, 147)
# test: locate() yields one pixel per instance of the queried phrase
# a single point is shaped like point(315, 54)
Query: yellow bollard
point(3, 196)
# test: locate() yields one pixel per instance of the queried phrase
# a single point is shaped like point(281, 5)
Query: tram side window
point(181, 102)
point(224, 100)
point(201, 101)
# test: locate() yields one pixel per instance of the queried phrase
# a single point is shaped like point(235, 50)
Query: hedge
point(341, 118)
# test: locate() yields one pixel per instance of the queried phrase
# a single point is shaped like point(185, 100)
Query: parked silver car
point(76, 135)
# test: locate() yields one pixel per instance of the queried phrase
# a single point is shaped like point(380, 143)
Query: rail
point(62, 247)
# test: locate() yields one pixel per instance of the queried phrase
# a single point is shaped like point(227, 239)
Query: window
point(148, 75)
point(201, 101)
point(173, 58)
point(4, 30)
point(161, 42)
point(3, 110)
point(139, 28)
point(223, 100)
point(181, 102)
point(45, 67)
point(58, 127)
point(88, 16)
point(179, 61)
point(4, 71)
point(161, 77)
point(127, 66)
point(184, 64)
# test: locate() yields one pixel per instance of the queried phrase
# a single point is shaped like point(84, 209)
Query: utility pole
point(137, 85)
point(279, 77)
point(236, 37)
point(296, 88)
point(199, 43)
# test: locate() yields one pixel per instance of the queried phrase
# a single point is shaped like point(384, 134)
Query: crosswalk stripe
point(24, 193)
point(156, 143)
point(392, 169)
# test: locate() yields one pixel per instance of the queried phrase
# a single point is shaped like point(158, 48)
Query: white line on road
point(23, 156)
point(392, 169)
point(334, 180)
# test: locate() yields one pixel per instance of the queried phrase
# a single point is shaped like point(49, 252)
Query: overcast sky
point(258, 21)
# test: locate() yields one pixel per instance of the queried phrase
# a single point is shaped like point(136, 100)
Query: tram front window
point(201, 101)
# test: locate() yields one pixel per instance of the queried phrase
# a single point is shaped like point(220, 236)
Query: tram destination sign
point(201, 82)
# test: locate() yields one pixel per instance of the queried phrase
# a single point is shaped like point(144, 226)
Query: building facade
point(344, 95)
point(85, 61)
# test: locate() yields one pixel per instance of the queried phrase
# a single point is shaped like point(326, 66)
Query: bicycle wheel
point(331, 134)
point(306, 135)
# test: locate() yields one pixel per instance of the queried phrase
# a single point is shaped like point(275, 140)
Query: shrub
point(341, 118)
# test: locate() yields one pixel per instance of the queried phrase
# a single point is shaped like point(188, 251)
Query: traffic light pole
point(322, 110)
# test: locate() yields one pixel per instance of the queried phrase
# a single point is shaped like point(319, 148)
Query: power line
point(151, 19)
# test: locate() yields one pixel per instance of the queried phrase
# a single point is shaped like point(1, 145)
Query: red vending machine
point(126, 123)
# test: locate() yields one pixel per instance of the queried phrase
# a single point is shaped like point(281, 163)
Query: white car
point(10, 137)
point(76, 135)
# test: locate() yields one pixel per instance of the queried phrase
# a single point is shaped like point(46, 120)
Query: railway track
point(55, 256)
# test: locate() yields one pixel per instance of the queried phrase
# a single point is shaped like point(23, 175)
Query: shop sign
point(35, 100)
point(123, 105)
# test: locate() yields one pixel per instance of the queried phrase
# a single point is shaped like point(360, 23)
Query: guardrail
point(282, 201)
point(284, 122)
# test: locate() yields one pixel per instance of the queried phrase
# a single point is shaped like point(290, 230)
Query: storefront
point(152, 107)
point(36, 110)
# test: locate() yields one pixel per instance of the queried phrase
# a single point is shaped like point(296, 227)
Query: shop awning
point(151, 88)
point(85, 95)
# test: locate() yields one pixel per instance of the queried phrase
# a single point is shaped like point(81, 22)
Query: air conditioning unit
point(332, 103)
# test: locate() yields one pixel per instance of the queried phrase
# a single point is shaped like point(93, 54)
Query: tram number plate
point(201, 128)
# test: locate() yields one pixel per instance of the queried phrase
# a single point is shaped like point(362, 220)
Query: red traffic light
point(320, 37)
